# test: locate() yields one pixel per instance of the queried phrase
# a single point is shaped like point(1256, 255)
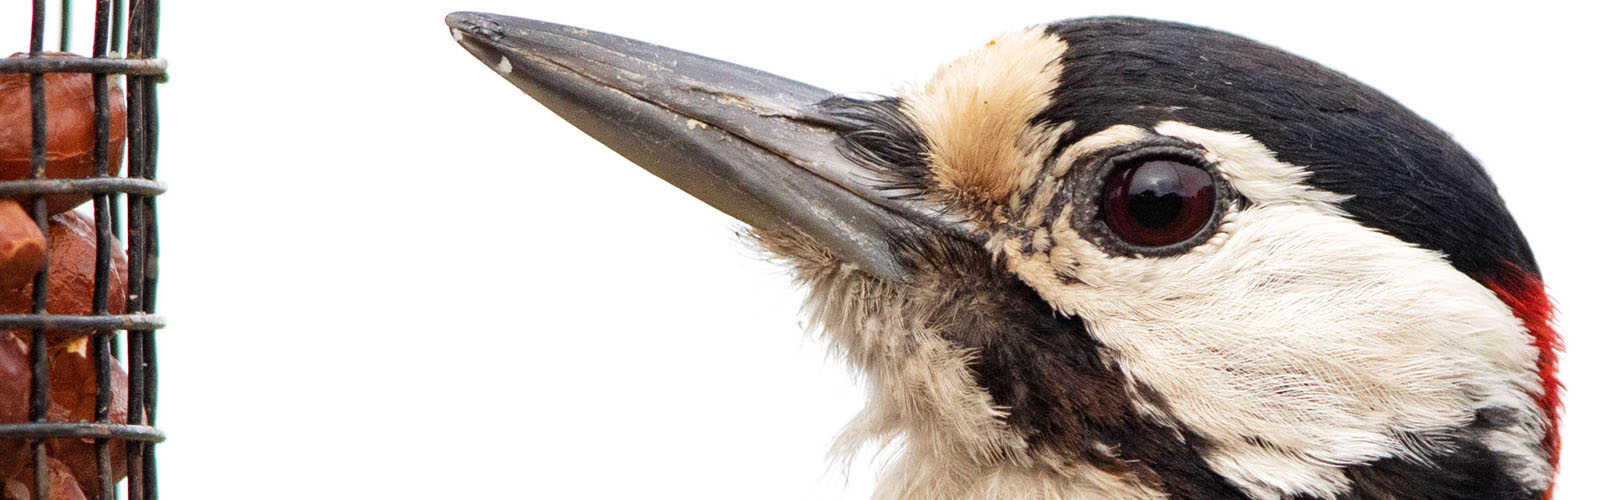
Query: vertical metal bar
point(103, 242)
point(117, 15)
point(136, 251)
point(118, 7)
point(66, 26)
point(141, 242)
point(136, 267)
point(116, 215)
point(39, 395)
point(135, 351)
point(151, 11)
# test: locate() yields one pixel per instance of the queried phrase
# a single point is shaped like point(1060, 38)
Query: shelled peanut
point(69, 130)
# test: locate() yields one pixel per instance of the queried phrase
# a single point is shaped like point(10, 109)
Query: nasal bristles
point(878, 135)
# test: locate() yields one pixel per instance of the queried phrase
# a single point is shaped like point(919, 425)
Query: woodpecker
point(1113, 258)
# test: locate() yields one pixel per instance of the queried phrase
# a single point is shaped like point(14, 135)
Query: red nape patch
point(1524, 293)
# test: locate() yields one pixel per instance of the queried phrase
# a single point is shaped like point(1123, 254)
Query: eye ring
point(1151, 200)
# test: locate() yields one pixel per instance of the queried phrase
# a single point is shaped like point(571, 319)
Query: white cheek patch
point(1309, 332)
point(1298, 327)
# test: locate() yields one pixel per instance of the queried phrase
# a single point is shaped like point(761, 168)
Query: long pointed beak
point(751, 144)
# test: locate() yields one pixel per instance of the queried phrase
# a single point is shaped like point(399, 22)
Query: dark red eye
point(1158, 202)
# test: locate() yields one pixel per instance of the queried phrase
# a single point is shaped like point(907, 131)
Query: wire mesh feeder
point(55, 451)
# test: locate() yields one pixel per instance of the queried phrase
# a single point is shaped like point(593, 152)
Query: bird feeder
point(78, 262)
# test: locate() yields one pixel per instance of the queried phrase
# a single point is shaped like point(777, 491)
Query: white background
point(391, 275)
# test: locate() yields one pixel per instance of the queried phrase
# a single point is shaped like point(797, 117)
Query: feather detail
point(1524, 293)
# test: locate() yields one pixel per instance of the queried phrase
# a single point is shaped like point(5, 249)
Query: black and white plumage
point(1356, 316)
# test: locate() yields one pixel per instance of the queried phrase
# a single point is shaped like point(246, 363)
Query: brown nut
point(71, 289)
point(21, 246)
point(63, 486)
point(69, 130)
point(72, 398)
point(15, 379)
point(73, 386)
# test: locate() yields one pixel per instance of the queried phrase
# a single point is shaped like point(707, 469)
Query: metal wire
point(81, 323)
point(142, 71)
point(81, 430)
point(100, 185)
point(140, 67)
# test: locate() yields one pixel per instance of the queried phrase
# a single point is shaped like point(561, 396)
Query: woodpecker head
point(1114, 258)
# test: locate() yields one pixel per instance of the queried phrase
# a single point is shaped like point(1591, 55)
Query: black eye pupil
point(1158, 202)
point(1153, 190)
